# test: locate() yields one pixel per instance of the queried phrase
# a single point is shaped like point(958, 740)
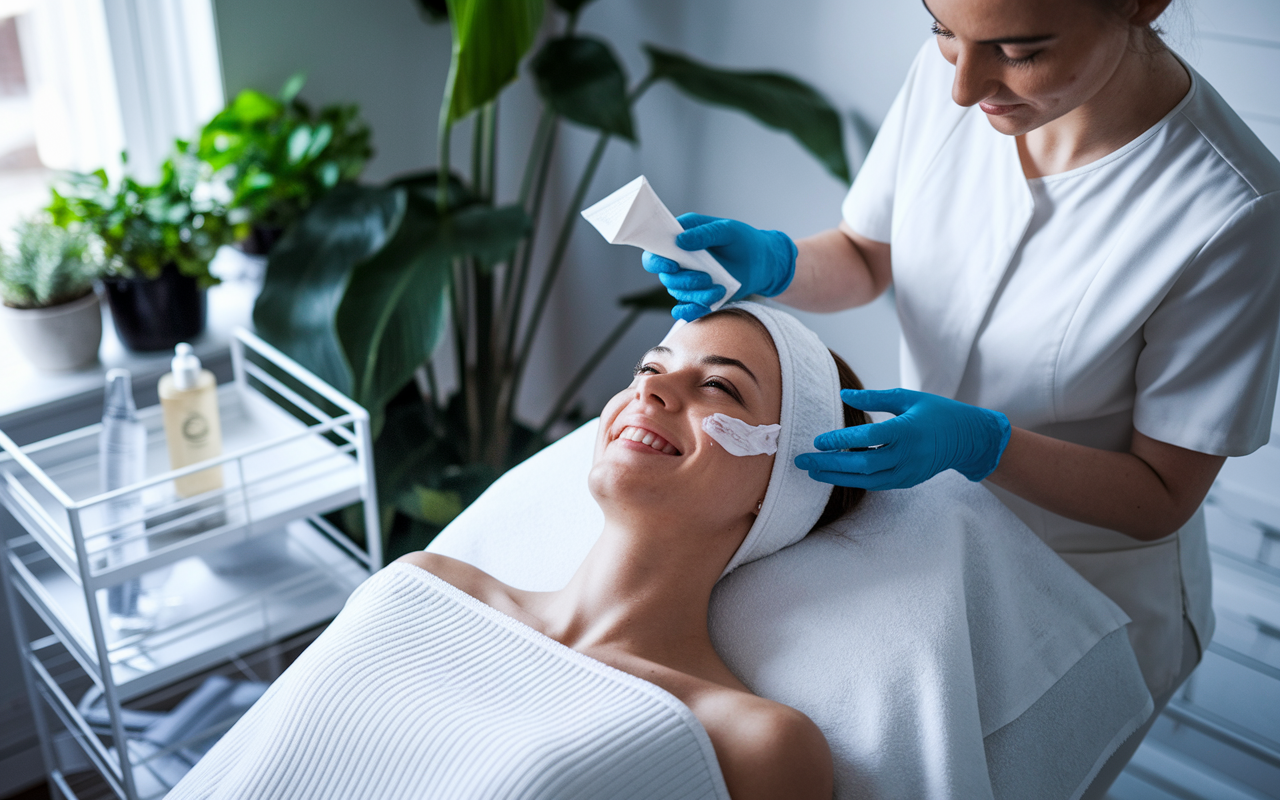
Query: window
point(83, 80)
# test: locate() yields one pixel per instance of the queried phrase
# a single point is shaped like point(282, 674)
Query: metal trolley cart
point(231, 582)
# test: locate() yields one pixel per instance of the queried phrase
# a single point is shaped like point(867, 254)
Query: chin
point(1012, 124)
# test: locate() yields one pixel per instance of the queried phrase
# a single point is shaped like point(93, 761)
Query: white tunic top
point(418, 690)
point(1141, 291)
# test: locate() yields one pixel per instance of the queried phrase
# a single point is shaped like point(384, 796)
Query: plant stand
point(224, 574)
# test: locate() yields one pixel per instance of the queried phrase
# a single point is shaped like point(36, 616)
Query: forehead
point(729, 336)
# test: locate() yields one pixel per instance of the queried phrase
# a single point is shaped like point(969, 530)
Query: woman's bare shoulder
point(475, 582)
point(766, 750)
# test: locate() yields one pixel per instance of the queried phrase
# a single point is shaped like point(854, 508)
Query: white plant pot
point(59, 338)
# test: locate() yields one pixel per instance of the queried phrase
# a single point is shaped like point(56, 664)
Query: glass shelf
point(284, 458)
point(205, 612)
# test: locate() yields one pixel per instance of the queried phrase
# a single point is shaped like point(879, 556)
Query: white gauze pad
point(741, 439)
point(634, 215)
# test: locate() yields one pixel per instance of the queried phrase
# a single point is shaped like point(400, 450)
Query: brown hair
point(843, 498)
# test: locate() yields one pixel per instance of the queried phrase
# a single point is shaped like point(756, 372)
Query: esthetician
point(1084, 241)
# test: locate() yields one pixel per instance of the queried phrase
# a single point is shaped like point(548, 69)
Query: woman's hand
point(764, 262)
point(930, 434)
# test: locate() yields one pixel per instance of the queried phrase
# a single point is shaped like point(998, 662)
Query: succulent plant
point(48, 265)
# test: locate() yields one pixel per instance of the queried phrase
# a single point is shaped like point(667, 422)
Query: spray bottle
point(123, 462)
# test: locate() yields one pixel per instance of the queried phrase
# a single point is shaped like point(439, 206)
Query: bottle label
point(195, 429)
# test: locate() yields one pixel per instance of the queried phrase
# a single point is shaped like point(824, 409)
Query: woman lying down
point(439, 681)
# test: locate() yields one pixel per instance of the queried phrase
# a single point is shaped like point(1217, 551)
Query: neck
point(642, 588)
point(1143, 89)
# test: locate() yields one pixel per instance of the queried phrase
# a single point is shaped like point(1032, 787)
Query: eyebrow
point(1003, 39)
point(712, 360)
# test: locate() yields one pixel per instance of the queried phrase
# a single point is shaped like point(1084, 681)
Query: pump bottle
point(189, 402)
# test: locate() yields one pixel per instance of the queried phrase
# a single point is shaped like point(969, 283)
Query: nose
point(660, 389)
point(973, 82)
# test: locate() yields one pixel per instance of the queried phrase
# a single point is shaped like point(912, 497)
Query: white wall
point(380, 54)
point(719, 162)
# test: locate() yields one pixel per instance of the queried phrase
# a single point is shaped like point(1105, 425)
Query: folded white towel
point(418, 690)
point(943, 649)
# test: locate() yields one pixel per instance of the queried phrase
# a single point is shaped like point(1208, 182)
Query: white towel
point(810, 406)
point(418, 690)
point(943, 649)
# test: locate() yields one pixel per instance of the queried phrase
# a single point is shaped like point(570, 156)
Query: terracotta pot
point(58, 338)
point(156, 313)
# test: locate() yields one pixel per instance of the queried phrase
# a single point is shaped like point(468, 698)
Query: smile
point(648, 439)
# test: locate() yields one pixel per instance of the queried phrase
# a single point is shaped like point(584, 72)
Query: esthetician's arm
point(838, 269)
point(1147, 493)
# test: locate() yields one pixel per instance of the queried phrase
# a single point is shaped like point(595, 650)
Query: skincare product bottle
point(123, 462)
point(189, 402)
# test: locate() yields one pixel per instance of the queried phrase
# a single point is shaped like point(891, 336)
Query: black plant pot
point(156, 313)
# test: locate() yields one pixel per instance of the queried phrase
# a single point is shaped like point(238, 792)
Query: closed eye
point(1017, 62)
point(726, 387)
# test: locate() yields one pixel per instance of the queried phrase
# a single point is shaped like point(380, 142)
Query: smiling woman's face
point(652, 456)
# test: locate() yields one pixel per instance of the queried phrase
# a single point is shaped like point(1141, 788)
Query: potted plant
point(157, 241)
point(364, 286)
point(278, 156)
point(50, 310)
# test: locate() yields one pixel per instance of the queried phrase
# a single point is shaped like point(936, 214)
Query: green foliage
point(583, 82)
point(775, 100)
point(489, 39)
point(310, 269)
point(144, 227)
point(279, 156)
point(366, 285)
point(49, 265)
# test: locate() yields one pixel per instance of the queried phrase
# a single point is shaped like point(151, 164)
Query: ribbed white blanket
point(418, 690)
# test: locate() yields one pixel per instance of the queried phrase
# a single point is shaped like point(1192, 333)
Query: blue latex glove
point(763, 261)
point(930, 434)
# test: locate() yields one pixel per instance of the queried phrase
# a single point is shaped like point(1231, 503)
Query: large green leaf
point(396, 305)
point(309, 270)
point(776, 100)
point(582, 81)
point(489, 39)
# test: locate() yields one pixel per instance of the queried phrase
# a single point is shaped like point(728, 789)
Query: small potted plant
point(157, 240)
point(50, 309)
point(278, 156)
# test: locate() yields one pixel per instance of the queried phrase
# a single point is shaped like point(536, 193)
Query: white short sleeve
point(868, 207)
point(1206, 378)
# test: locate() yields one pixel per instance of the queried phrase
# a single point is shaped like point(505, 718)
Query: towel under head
point(810, 406)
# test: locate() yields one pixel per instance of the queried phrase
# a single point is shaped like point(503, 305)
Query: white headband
point(810, 406)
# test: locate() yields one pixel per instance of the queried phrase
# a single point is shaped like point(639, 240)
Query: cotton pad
point(740, 439)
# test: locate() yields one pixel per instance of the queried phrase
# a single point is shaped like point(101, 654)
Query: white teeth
point(647, 437)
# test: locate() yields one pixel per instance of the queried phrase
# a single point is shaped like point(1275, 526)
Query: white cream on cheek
point(740, 439)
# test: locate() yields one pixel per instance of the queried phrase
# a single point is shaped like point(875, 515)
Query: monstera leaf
point(310, 269)
point(777, 101)
point(393, 312)
point(489, 39)
point(582, 81)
